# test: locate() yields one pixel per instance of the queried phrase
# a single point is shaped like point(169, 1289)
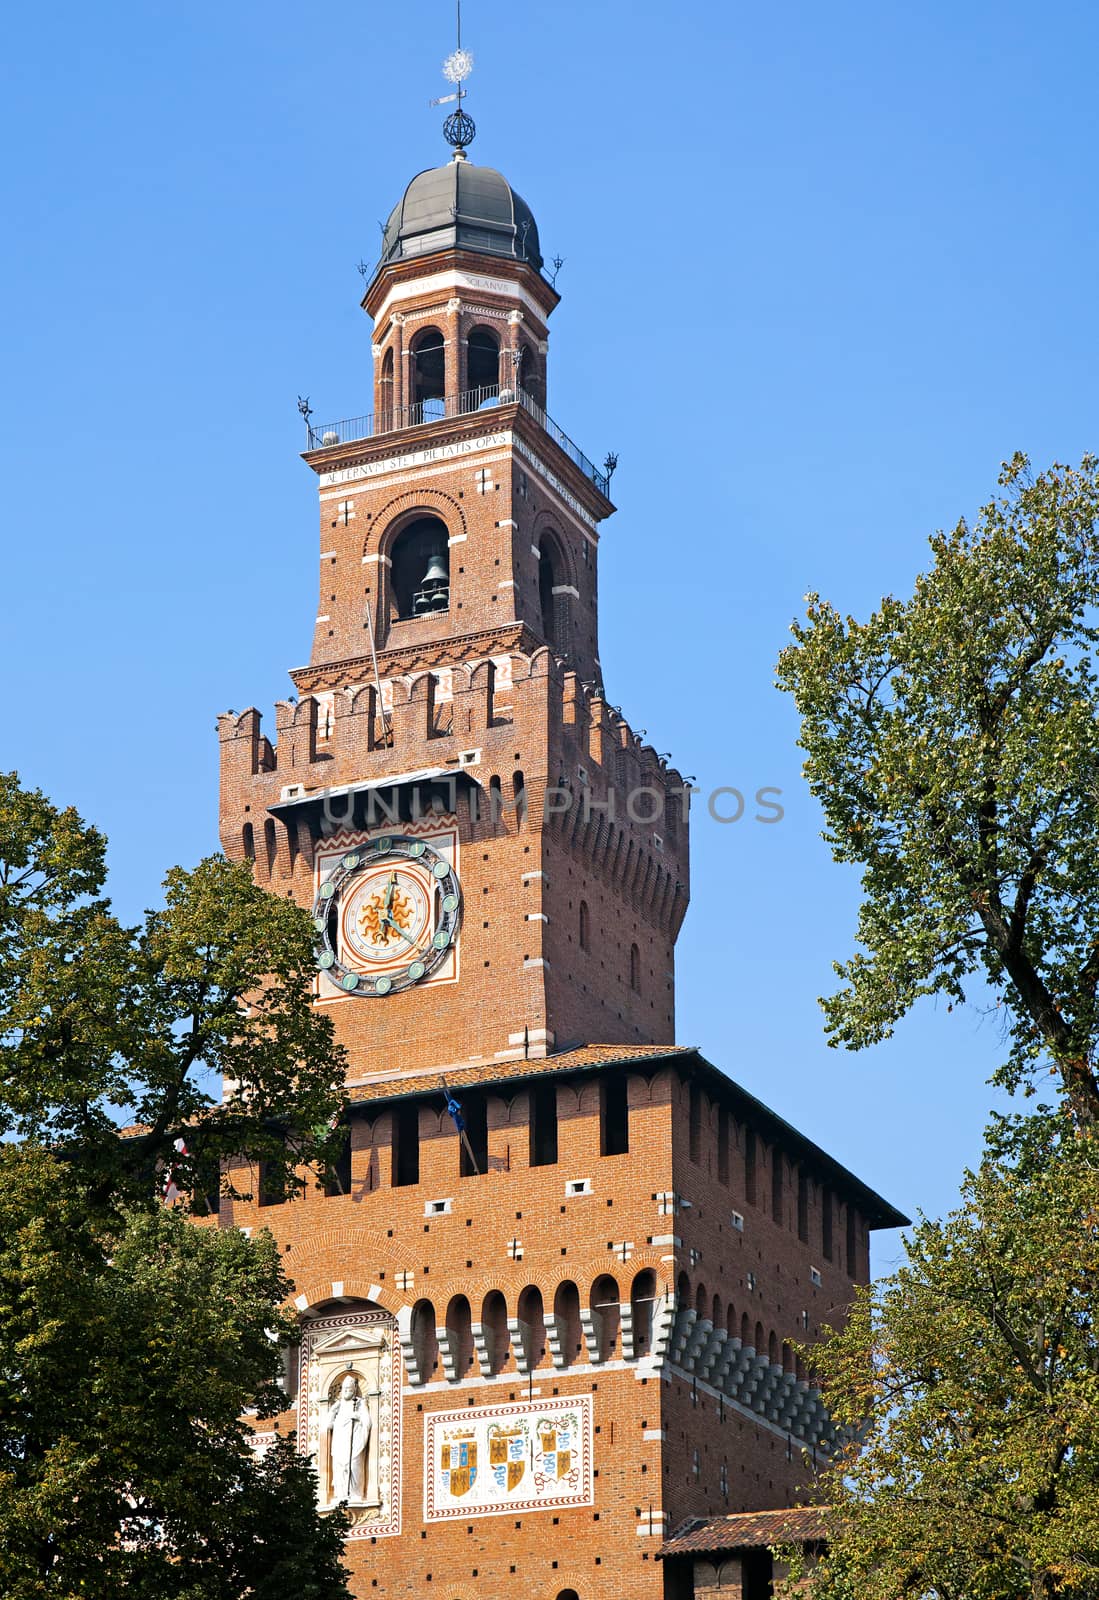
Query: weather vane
point(459, 129)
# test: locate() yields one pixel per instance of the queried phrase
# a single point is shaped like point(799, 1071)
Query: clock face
point(386, 916)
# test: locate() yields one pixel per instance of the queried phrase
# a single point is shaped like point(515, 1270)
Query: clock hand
point(389, 893)
point(398, 931)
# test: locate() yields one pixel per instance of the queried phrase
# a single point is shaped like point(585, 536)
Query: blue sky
point(825, 267)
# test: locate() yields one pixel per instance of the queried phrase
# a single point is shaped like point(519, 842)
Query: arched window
point(494, 1321)
point(385, 393)
point(585, 926)
point(715, 1312)
point(482, 366)
point(270, 843)
point(745, 1331)
point(428, 375)
point(682, 1291)
point(787, 1358)
point(419, 578)
point(568, 1594)
point(531, 1312)
point(772, 1348)
point(643, 1300)
point(248, 841)
point(700, 1300)
point(519, 795)
point(759, 1339)
point(606, 1314)
point(566, 1311)
point(459, 1325)
point(425, 1342)
point(531, 375)
point(731, 1322)
point(552, 599)
point(635, 969)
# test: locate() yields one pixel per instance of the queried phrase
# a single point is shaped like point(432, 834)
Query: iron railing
point(425, 412)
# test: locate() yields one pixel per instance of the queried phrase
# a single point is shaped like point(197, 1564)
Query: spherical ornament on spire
point(459, 130)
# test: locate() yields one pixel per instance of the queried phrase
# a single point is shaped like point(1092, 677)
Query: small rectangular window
point(543, 1125)
point(406, 1144)
point(614, 1115)
point(474, 1147)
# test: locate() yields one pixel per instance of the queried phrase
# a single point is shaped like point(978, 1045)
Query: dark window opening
point(776, 1185)
point(750, 1166)
point(474, 1147)
point(635, 969)
point(553, 602)
point(803, 1206)
point(543, 1125)
point(337, 1179)
point(406, 1145)
point(272, 1183)
point(722, 1145)
point(585, 926)
point(614, 1119)
point(694, 1120)
point(519, 795)
point(248, 840)
point(643, 1300)
point(531, 375)
point(420, 574)
point(270, 843)
point(428, 375)
point(483, 360)
point(826, 1223)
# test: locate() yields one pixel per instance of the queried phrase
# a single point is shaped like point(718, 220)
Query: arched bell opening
point(385, 393)
point(553, 599)
point(532, 374)
point(482, 365)
point(428, 376)
point(419, 578)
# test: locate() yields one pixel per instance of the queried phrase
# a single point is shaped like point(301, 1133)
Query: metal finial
point(459, 130)
point(558, 263)
point(610, 463)
point(362, 269)
point(304, 407)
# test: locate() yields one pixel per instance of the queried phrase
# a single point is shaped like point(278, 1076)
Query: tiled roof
point(401, 1085)
point(586, 1058)
point(746, 1530)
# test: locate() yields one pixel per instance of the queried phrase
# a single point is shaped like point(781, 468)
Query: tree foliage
point(952, 740)
point(133, 1340)
point(970, 1381)
point(127, 1353)
point(102, 1024)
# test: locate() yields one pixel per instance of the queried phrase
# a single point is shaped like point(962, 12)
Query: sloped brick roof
point(400, 1085)
point(746, 1530)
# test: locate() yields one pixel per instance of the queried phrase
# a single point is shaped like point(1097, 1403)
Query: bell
point(434, 591)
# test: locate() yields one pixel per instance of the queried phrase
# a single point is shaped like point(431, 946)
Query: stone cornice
point(515, 637)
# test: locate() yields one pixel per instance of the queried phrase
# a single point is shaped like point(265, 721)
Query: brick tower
point(564, 1332)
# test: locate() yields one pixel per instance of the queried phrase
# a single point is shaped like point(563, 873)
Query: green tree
point(953, 743)
point(128, 1350)
point(102, 1024)
point(132, 1339)
point(969, 1381)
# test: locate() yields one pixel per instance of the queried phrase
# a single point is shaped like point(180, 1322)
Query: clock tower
point(550, 1296)
point(496, 861)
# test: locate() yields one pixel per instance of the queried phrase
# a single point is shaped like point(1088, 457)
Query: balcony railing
point(425, 412)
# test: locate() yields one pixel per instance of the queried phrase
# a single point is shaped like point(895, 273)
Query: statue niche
point(350, 1405)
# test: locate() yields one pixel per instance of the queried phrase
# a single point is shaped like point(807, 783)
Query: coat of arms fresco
point(508, 1458)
